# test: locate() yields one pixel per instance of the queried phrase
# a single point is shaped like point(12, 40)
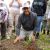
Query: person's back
point(39, 7)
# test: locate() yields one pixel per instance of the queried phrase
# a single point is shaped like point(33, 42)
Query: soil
point(8, 45)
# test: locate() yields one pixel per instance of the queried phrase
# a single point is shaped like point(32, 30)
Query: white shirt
point(49, 15)
point(15, 4)
point(5, 9)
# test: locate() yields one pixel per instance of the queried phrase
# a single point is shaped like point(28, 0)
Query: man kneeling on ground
point(26, 24)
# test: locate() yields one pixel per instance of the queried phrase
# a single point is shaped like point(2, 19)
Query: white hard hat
point(26, 5)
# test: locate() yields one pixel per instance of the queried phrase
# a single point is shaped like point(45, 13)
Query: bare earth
point(8, 45)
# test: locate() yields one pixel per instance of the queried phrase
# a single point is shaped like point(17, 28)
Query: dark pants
point(3, 29)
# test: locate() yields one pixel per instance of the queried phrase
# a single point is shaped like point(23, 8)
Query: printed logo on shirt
point(38, 3)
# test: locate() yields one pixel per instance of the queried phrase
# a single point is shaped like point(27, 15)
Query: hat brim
point(25, 7)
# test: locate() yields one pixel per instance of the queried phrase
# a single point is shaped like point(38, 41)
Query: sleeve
point(35, 21)
point(6, 12)
point(32, 7)
point(6, 17)
point(18, 26)
point(45, 6)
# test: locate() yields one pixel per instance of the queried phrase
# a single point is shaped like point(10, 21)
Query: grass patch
point(43, 42)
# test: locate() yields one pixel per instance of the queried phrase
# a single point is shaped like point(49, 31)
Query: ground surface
point(8, 45)
point(43, 43)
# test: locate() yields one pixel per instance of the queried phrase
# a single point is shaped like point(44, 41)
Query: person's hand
point(15, 41)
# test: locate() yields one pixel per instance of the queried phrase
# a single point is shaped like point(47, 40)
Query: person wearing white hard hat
point(26, 24)
point(25, 1)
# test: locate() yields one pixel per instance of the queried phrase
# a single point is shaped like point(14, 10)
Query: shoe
point(37, 36)
point(8, 37)
point(47, 32)
point(43, 31)
point(2, 38)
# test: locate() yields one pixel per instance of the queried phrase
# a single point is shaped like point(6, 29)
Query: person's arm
point(35, 19)
point(4, 12)
point(6, 17)
point(45, 6)
point(11, 3)
point(18, 26)
point(35, 22)
point(20, 3)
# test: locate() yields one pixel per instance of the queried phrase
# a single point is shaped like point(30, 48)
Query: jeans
point(39, 21)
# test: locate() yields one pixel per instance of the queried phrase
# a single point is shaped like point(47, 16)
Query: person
point(26, 24)
point(25, 1)
point(3, 18)
point(46, 20)
point(44, 23)
point(39, 7)
point(14, 11)
point(48, 23)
